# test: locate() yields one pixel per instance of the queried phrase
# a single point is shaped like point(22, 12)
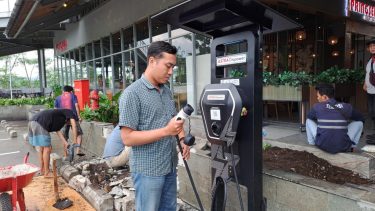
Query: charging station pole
point(232, 105)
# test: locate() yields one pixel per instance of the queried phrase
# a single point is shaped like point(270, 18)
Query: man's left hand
point(186, 149)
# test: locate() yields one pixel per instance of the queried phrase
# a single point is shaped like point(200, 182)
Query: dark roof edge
point(18, 6)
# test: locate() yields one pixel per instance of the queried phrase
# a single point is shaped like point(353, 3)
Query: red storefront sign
point(62, 46)
point(367, 10)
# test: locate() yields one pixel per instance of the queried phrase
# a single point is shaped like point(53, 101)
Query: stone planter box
point(15, 112)
point(283, 190)
point(286, 93)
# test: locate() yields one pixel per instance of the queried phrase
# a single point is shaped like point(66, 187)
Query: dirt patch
point(308, 164)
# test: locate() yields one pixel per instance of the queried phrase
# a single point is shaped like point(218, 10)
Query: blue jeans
point(354, 131)
point(155, 193)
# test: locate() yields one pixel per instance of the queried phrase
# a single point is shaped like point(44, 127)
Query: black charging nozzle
point(189, 140)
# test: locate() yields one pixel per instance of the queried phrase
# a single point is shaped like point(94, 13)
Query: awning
point(216, 18)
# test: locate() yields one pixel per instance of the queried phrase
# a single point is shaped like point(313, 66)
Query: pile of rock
point(104, 187)
point(12, 133)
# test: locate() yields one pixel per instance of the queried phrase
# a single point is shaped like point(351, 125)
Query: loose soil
point(100, 175)
point(308, 164)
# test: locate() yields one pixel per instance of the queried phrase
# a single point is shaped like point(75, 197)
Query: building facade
point(109, 46)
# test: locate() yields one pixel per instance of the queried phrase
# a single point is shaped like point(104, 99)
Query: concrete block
point(308, 198)
point(26, 136)
point(79, 183)
point(62, 168)
point(3, 122)
point(69, 172)
point(99, 199)
point(13, 133)
point(36, 148)
point(58, 160)
point(338, 203)
point(9, 129)
point(125, 204)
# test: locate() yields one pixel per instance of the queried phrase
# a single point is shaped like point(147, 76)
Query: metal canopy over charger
point(231, 105)
point(217, 18)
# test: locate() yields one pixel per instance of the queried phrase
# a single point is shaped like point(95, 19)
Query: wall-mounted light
point(352, 51)
point(312, 56)
point(65, 4)
point(290, 56)
point(335, 53)
point(333, 40)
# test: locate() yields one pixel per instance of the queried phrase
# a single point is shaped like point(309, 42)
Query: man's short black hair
point(326, 89)
point(156, 50)
point(68, 88)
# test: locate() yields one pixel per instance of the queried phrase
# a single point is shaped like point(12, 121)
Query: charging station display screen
point(215, 113)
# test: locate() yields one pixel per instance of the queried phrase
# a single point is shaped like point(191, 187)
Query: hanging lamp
point(333, 40)
point(300, 35)
point(335, 53)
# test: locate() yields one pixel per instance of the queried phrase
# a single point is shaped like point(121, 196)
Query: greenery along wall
point(332, 75)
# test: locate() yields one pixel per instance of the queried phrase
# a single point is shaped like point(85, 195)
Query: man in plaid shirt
point(147, 126)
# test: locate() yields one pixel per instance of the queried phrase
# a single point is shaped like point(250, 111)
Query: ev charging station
point(232, 105)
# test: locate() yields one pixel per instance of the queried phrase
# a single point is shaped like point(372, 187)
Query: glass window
point(142, 33)
point(159, 30)
point(202, 44)
point(117, 72)
point(89, 49)
point(62, 61)
point(83, 54)
point(203, 62)
point(108, 72)
point(97, 49)
point(68, 76)
point(76, 51)
point(99, 75)
point(78, 69)
point(71, 54)
point(129, 67)
point(106, 46)
point(175, 31)
point(73, 72)
point(90, 70)
point(84, 70)
point(142, 61)
point(116, 41)
point(128, 38)
point(183, 72)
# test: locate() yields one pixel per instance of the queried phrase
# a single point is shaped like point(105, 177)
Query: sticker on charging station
point(215, 113)
point(232, 59)
point(215, 97)
point(231, 81)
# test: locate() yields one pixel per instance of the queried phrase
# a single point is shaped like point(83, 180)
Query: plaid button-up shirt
point(143, 107)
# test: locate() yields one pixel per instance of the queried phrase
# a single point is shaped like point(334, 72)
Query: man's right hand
point(365, 87)
point(174, 127)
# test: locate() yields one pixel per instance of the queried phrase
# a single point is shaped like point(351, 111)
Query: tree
point(202, 43)
point(29, 65)
point(11, 61)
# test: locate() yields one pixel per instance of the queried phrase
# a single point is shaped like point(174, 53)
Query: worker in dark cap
point(369, 86)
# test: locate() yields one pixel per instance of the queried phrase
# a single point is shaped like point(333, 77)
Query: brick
point(79, 183)
point(69, 172)
point(13, 133)
point(99, 199)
